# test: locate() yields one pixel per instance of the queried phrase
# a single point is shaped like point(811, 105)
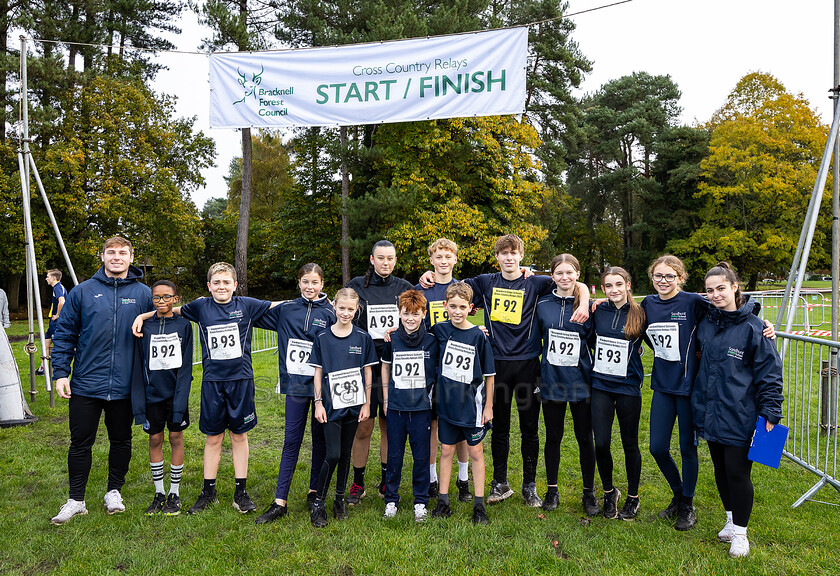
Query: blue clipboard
point(766, 447)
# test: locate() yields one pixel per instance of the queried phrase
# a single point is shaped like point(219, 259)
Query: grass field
point(519, 540)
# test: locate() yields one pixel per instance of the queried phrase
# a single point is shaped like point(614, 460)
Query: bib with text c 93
point(346, 388)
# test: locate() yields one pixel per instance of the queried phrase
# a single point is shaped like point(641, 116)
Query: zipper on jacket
point(113, 342)
point(306, 320)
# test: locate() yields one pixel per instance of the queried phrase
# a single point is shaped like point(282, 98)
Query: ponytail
point(725, 269)
point(635, 324)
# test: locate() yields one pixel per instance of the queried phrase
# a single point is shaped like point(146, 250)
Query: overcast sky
point(705, 45)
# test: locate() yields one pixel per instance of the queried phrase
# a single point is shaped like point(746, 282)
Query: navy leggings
point(297, 408)
point(554, 416)
point(338, 437)
point(605, 407)
point(665, 409)
point(732, 476)
point(416, 427)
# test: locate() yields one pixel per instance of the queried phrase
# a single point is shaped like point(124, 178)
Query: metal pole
point(835, 236)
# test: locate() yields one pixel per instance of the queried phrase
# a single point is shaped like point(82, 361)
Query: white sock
point(729, 516)
point(742, 530)
point(463, 467)
point(175, 479)
point(157, 476)
point(433, 473)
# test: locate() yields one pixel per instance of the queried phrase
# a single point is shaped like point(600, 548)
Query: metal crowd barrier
point(261, 341)
point(811, 407)
point(810, 307)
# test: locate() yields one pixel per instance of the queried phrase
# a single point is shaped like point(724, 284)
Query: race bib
point(665, 337)
point(346, 388)
point(506, 305)
point(458, 360)
point(563, 348)
point(437, 312)
point(297, 357)
point(409, 370)
point(611, 356)
point(165, 352)
point(223, 342)
point(381, 318)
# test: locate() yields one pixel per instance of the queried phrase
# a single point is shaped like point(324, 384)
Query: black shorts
point(50, 329)
point(451, 434)
point(159, 415)
point(227, 406)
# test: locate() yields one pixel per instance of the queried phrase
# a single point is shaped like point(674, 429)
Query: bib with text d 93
point(611, 356)
point(380, 318)
point(165, 352)
point(563, 348)
point(458, 361)
point(346, 388)
point(437, 312)
point(409, 369)
point(665, 337)
point(223, 342)
point(506, 305)
point(297, 357)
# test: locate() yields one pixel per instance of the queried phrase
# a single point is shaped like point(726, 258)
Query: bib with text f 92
point(506, 305)
point(223, 342)
point(409, 369)
point(611, 356)
point(458, 361)
point(297, 357)
point(665, 337)
point(346, 388)
point(381, 318)
point(165, 352)
point(563, 348)
point(437, 312)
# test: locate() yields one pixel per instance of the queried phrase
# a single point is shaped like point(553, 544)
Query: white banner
point(478, 74)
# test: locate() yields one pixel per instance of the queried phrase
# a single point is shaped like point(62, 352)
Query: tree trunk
point(241, 263)
point(13, 292)
point(345, 221)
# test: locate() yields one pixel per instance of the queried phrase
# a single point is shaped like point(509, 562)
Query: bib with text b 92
point(437, 312)
point(563, 348)
point(611, 356)
point(165, 352)
point(297, 357)
point(223, 342)
point(506, 305)
point(380, 318)
point(457, 362)
point(346, 388)
point(665, 337)
point(409, 369)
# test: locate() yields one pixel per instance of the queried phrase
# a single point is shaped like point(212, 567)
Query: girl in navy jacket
point(740, 378)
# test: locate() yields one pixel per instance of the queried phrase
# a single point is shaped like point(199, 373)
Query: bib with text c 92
point(297, 357)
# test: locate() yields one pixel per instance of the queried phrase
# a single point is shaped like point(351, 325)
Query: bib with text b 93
point(506, 305)
point(409, 369)
point(346, 388)
point(665, 337)
point(611, 356)
point(165, 352)
point(380, 318)
point(223, 342)
point(297, 357)
point(437, 312)
point(457, 362)
point(563, 348)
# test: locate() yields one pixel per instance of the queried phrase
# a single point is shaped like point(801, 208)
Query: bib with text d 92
point(458, 361)
point(665, 337)
point(381, 318)
point(223, 342)
point(165, 352)
point(563, 348)
point(437, 312)
point(611, 356)
point(297, 357)
point(346, 388)
point(409, 369)
point(506, 305)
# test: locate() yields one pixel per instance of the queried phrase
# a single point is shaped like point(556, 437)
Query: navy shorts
point(451, 434)
point(50, 329)
point(159, 415)
point(227, 406)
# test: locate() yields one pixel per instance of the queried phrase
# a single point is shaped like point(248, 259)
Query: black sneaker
point(686, 517)
point(611, 503)
point(551, 501)
point(590, 503)
point(157, 504)
point(441, 510)
point(671, 511)
point(356, 493)
point(243, 503)
point(172, 506)
point(311, 497)
point(630, 508)
point(433, 489)
point(464, 494)
point(480, 516)
point(318, 517)
point(204, 500)
point(272, 513)
point(499, 491)
point(340, 509)
point(529, 496)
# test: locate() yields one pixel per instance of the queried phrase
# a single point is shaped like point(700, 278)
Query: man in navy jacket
point(94, 335)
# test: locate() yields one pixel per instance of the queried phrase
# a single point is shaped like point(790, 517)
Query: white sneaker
point(68, 510)
point(725, 534)
point(390, 510)
point(420, 513)
point(740, 546)
point(114, 502)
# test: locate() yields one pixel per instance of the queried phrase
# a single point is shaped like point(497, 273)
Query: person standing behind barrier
point(739, 379)
point(59, 295)
point(94, 335)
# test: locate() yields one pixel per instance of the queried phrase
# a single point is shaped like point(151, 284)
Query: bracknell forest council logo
point(249, 86)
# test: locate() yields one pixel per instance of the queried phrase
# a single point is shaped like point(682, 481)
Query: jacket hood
point(134, 274)
point(722, 318)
